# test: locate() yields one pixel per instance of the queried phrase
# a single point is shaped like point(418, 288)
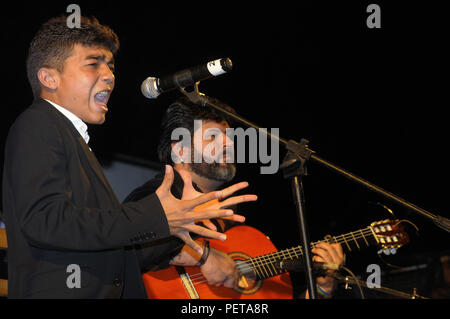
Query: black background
point(369, 100)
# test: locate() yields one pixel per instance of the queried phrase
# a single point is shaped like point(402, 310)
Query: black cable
point(356, 281)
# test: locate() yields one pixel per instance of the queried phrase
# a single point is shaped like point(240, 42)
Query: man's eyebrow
point(99, 57)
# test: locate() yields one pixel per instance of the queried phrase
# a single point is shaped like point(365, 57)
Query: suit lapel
point(93, 162)
point(89, 159)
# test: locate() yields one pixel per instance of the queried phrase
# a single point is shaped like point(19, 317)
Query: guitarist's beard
point(221, 172)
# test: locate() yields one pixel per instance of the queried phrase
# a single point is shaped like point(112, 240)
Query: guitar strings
point(259, 263)
point(268, 259)
point(336, 239)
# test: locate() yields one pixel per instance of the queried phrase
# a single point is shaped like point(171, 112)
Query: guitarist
point(193, 179)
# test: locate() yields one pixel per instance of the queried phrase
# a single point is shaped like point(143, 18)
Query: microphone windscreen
point(149, 88)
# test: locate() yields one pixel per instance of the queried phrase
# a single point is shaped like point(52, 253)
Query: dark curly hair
point(181, 114)
point(54, 41)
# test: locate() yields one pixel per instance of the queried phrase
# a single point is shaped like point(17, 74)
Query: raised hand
point(189, 193)
point(181, 216)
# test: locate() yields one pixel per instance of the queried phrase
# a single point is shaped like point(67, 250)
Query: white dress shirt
point(76, 121)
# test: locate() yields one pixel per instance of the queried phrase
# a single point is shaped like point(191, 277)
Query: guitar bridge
point(187, 283)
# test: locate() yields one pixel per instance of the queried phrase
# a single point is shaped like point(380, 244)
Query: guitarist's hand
point(189, 193)
point(181, 217)
point(328, 253)
point(220, 270)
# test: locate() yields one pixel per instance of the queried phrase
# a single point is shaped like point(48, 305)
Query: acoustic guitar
point(261, 277)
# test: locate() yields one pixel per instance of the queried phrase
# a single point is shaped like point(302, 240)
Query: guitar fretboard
point(267, 266)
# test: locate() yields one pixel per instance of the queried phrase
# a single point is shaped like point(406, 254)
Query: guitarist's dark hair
point(181, 114)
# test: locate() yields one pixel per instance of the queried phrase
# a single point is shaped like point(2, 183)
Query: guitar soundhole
point(248, 282)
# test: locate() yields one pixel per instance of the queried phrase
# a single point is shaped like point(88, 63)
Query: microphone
point(298, 265)
point(152, 87)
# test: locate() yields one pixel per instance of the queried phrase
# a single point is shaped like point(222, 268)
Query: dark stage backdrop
point(369, 100)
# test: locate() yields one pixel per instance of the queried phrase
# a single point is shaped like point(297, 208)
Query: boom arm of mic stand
point(302, 152)
point(442, 222)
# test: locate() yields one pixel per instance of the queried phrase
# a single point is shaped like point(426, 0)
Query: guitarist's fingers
point(236, 218)
point(190, 242)
point(232, 281)
point(207, 223)
point(210, 204)
point(210, 214)
point(204, 232)
point(332, 253)
point(322, 254)
point(335, 250)
point(339, 250)
point(238, 200)
point(318, 259)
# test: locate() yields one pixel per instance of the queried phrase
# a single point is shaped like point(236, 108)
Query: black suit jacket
point(59, 210)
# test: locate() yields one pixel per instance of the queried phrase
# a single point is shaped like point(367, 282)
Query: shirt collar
point(80, 126)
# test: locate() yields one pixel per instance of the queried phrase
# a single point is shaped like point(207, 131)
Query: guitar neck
point(267, 266)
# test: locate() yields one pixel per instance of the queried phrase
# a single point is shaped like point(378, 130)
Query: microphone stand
point(400, 294)
point(294, 167)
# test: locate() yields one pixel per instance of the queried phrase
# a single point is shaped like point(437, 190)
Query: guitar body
point(242, 243)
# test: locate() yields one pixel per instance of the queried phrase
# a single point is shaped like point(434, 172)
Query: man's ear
point(49, 78)
point(177, 150)
point(180, 152)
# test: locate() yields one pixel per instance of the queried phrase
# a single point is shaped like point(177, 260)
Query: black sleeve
point(37, 186)
point(157, 255)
